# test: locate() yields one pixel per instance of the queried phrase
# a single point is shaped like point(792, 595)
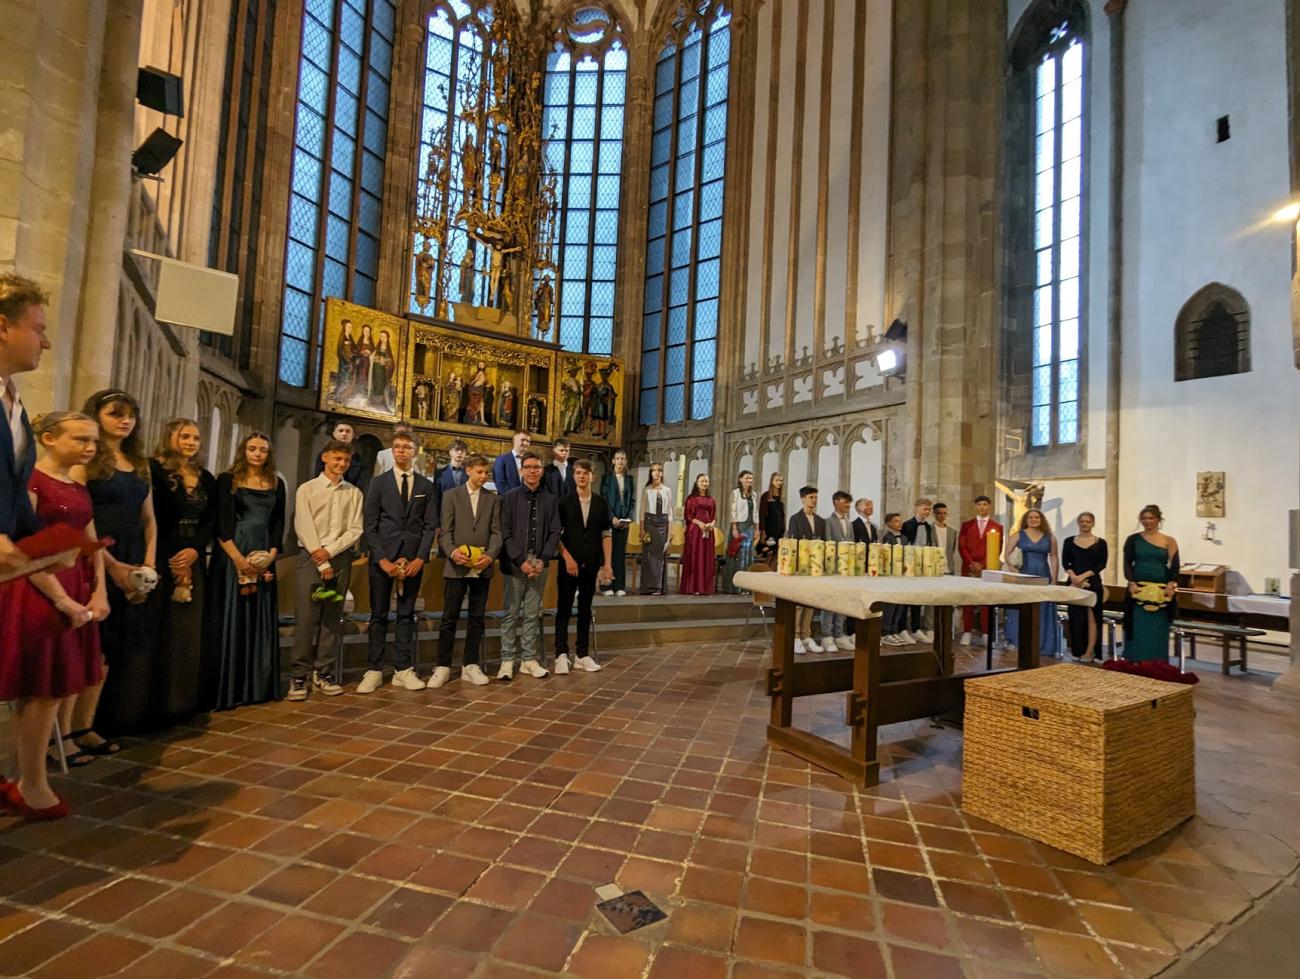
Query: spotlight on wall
point(891, 358)
point(1288, 214)
point(160, 90)
point(154, 153)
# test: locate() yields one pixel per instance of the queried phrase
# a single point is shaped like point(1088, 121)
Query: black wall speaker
point(160, 90)
point(155, 152)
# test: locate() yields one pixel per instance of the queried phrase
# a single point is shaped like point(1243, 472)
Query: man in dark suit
point(359, 470)
point(22, 341)
point(471, 541)
point(558, 478)
point(918, 531)
point(449, 477)
point(806, 525)
point(585, 550)
point(864, 531)
point(505, 469)
point(399, 528)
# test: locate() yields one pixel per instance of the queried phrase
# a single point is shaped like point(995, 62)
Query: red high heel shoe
point(19, 806)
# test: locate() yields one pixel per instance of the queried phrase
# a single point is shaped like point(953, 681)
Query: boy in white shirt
point(327, 521)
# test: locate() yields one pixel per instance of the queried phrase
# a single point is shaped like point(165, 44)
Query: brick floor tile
point(540, 942)
point(838, 954)
point(702, 926)
point(771, 941)
point(602, 956)
point(918, 962)
point(672, 962)
point(355, 955)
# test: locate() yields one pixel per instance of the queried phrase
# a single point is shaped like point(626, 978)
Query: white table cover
point(854, 596)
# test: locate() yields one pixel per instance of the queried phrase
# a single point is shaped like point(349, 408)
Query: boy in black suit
point(558, 478)
point(399, 521)
point(585, 550)
point(806, 525)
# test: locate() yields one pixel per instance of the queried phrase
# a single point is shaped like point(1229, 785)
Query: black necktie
point(406, 487)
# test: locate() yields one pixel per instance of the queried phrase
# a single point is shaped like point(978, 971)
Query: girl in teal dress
point(1037, 547)
point(1151, 568)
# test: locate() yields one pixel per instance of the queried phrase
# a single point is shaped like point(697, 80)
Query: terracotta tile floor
point(462, 834)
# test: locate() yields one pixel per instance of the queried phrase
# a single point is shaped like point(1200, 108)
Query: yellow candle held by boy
point(993, 551)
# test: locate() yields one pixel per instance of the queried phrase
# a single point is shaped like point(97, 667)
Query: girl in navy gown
point(185, 497)
point(121, 487)
point(245, 667)
point(1036, 544)
point(49, 648)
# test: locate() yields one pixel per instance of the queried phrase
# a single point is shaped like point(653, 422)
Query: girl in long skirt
point(699, 553)
point(656, 513)
point(744, 518)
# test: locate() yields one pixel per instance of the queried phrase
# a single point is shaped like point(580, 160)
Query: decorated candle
point(910, 563)
point(896, 561)
point(805, 557)
point(873, 561)
point(993, 550)
point(783, 564)
point(860, 558)
point(816, 557)
point(844, 558)
point(928, 562)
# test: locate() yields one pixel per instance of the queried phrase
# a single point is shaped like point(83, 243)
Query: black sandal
point(101, 750)
point(74, 759)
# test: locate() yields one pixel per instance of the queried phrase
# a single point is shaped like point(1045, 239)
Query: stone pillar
point(943, 271)
point(110, 190)
point(1115, 304)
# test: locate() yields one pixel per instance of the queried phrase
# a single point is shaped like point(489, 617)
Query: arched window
point(1049, 68)
point(1212, 334)
point(337, 182)
point(684, 237)
point(457, 37)
point(582, 127)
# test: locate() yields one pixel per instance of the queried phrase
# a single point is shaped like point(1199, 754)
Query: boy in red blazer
point(971, 548)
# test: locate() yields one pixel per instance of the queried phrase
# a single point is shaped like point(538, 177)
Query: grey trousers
point(308, 652)
point(521, 625)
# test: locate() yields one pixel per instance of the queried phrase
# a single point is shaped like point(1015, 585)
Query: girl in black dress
point(120, 486)
point(1084, 558)
point(184, 499)
point(771, 519)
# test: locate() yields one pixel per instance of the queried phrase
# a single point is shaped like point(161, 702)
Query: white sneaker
point(474, 675)
point(440, 676)
point(894, 640)
point(964, 640)
point(1088, 658)
point(562, 664)
point(407, 680)
point(621, 593)
point(608, 593)
point(588, 664)
point(533, 668)
point(507, 671)
point(845, 643)
point(799, 648)
point(372, 681)
point(925, 635)
point(828, 645)
point(905, 638)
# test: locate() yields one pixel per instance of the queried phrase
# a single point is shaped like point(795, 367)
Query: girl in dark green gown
point(1151, 568)
point(245, 659)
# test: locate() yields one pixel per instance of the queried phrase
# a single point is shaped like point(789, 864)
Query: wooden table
point(883, 686)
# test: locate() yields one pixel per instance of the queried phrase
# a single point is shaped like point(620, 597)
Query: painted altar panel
point(477, 386)
point(590, 393)
point(364, 362)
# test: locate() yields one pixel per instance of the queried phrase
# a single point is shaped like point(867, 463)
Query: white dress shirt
point(384, 462)
point(473, 501)
point(327, 515)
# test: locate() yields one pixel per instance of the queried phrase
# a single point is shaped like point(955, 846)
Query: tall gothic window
point(1057, 135)
point(337, 182)
point(684, 237)
point(582, 125)
point(456, 35)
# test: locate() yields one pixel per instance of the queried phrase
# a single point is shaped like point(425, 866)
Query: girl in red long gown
point(49, 649)
point(699, 553)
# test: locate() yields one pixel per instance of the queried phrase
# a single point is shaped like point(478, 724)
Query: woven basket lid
point(1076, 686)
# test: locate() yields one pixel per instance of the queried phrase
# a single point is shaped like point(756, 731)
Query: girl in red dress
point(50, 648)
point(699, 553)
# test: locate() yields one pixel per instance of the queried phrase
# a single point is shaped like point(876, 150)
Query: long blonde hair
point(171, 460)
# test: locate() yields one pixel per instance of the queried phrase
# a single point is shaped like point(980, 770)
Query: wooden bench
point(1226, 634)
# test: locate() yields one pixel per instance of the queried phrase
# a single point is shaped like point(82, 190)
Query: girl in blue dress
point(1037, 547)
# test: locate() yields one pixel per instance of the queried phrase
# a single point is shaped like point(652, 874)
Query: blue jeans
point(832, 625)
point(521, 624)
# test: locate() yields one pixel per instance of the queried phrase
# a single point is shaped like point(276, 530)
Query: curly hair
point(17, 292)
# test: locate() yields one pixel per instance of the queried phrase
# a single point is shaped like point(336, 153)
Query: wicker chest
point(1089, 761)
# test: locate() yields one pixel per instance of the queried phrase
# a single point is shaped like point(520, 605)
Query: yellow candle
point(993, 551)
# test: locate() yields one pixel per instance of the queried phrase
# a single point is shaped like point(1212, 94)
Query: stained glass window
point(1058, 137)
point(455, 43)
point(336, 184)
point(684, 237)
point(582, 129)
